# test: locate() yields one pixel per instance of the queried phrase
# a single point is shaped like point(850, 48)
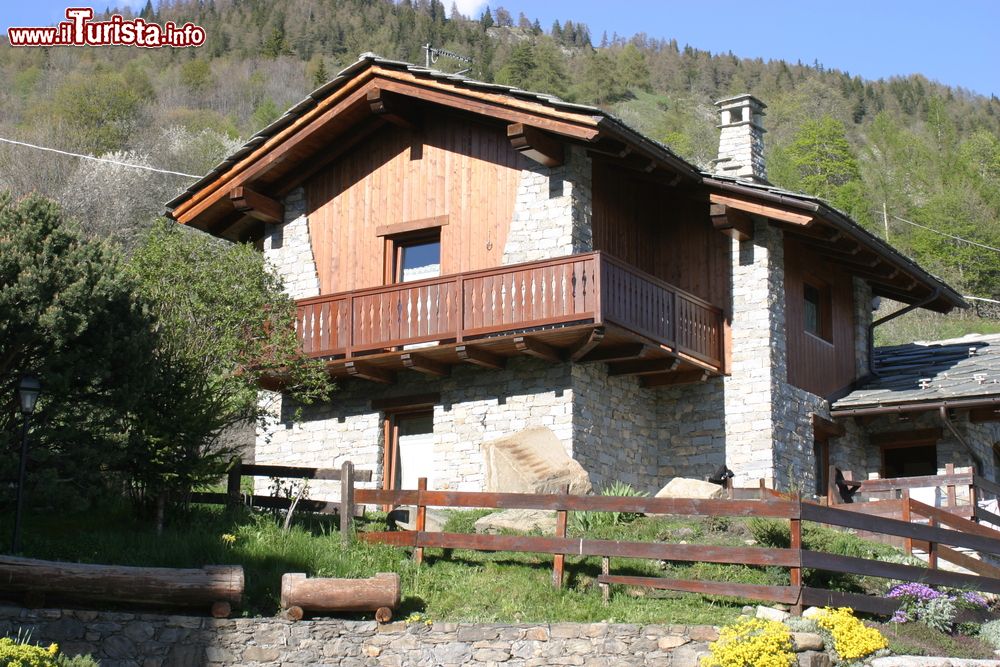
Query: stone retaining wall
point(148, 640)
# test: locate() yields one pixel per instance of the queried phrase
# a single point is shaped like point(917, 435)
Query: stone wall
point(854, 450)
point(552, 211)
point(148, 640)
point(476, 406)
point(692, 429)
point(615, 428)
point(288, 249)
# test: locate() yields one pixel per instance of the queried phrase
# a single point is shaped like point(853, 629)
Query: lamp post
point(27, 395)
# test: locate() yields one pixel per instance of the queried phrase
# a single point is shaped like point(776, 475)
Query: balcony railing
point(587, 288)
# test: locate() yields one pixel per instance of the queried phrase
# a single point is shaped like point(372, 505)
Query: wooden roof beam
point(584, 347)
point(643, 366)
point(731, 222)
point(773, 212)
point(615, 353)
point(395, 108)
point(425, 365)
point(368, 372)
point(257, 205)
point(671, 379)
point(536, 348)
point(480, 357)
point(535, 144)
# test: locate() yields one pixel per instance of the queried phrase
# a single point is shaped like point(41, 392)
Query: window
point(816, 309)
point(909, 461)
point(417, 258)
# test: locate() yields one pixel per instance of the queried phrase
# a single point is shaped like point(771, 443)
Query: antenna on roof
point(432, 54)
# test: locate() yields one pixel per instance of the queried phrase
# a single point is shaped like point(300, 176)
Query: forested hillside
point(928, 153)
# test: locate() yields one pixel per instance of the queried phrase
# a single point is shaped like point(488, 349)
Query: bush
point(586, 522)
point(852, 639)
point(990, 633)
point(753, 642)
point(20, 653)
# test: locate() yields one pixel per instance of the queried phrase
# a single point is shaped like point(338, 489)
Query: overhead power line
point(951, 236)
point(98, 159)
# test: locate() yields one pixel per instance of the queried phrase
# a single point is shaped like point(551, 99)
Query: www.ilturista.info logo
point(79, 30)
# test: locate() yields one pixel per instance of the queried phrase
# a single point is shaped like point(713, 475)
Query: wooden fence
point(347, 509)
point(795, 558)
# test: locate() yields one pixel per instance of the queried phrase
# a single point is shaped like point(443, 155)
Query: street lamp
point(28, 390)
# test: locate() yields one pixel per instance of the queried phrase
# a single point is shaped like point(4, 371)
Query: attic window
point(816, 309)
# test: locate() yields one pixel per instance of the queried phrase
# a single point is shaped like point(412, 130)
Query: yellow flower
point(228, 539)
point(852, 639)
point(753, 642)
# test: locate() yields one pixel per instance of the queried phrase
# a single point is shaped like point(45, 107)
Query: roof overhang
point(364, 98)
point(840, 240)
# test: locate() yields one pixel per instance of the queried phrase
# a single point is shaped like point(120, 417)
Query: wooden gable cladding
point(817, 364)
point(453, 169)
point(656, 228)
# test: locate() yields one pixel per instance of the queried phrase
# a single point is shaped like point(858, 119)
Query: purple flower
point(974, 599)
point(914, 590)
point(900, 617)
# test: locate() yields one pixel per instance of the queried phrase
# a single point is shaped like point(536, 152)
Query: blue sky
point(954, 43)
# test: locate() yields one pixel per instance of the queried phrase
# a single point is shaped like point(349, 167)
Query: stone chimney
point(741, 143)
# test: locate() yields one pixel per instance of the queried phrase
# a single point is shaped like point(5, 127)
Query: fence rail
point(934, 536)
point(346, 508)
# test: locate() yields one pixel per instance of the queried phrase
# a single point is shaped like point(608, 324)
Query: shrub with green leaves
point(587, 521)
point(19, 652)
point(989, 632)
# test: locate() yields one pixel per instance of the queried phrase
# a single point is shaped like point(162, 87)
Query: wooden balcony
point(588, 307)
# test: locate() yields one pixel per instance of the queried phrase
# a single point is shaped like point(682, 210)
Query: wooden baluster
point(418, 552)
point(908, 541)
point(346, 503)
point(459, 322)
point(559, 560)
point(762, 484)
point(949, 469)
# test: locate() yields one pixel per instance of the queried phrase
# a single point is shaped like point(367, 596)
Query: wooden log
point(221, 610)
point(118, 583)
point(383, 614)
point(327, 594)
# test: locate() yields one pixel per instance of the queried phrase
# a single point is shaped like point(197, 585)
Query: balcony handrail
point(657, 320)
point(505, 268)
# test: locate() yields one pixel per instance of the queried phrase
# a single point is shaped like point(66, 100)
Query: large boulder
point(532, 461)
point(521, 521)
point(682, 487)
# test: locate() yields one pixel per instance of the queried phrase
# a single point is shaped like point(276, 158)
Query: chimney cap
point(744, 99)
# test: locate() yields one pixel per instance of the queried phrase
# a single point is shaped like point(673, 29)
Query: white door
point(416, 450)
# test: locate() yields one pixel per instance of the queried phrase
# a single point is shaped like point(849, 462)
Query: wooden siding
point(814, 364)
point(661, 231)
point(452, 167)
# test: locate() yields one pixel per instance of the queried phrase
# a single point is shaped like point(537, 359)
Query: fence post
point(795, 573)
point(559, 560)
point(418, 552)
point(346, 503)
point(605, 588)
point(233, 479)
point(730, 488)
point(831, 486)
point(763, 488)
point(932, 547)
point(907, 541)
point(949, 469)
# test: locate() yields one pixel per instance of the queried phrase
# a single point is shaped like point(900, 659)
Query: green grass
point(467, 585)
point(918, 639)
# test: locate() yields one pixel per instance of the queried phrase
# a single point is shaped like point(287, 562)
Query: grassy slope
point(469, 586)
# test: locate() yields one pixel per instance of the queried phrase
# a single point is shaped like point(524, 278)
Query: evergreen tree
point(486, 20)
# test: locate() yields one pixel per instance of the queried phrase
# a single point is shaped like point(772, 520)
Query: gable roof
point(354, 103)
point(960, 372)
